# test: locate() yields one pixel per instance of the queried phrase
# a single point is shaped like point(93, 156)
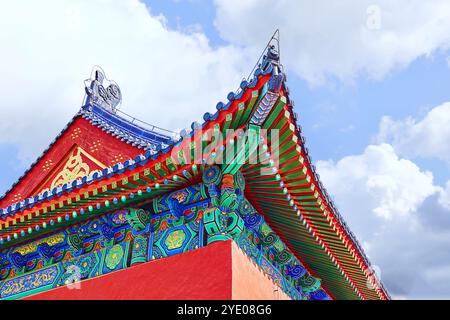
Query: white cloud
point(342, 38)
point(168, 77)
point(391, 186)
point(438, 274)
point(171, 77)
point(396, 210)
point(444, 198)
point(427, 137)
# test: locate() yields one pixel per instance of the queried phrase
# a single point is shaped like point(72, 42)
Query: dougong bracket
point(222, 222)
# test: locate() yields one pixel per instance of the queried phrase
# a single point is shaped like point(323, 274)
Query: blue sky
point(372, 103)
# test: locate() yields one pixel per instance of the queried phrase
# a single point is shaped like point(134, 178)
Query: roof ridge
point(149, 153)
point(100, 109)
point(129, 136)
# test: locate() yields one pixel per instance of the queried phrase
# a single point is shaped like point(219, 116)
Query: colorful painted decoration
point(114, 256)
point(110, 193)
point(138, 218)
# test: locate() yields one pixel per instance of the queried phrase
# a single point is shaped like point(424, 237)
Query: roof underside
point(291, 199)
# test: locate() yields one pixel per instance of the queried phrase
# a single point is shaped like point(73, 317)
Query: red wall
point(200, 274)
point(249, 282)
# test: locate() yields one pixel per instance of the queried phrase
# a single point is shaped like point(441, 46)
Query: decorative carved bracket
point(138, 218)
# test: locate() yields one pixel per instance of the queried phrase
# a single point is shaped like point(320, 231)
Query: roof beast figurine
point(109, 97)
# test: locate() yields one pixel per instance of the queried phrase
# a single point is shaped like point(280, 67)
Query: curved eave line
point(347, 240)
point(140, 166)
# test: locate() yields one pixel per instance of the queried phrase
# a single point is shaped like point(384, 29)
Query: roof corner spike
point(271, 63)
point(101, 91)
point(274, 43)
point(272, 51)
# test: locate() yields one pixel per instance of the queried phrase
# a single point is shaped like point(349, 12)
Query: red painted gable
point(81, 141)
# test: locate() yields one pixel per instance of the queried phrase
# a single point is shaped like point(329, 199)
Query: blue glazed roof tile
point(123, 129)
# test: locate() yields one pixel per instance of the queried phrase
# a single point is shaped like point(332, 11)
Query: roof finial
point(272, 45)
point(274, 42)
point(97, 93)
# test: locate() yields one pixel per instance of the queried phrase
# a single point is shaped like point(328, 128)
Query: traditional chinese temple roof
point(292, 198)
